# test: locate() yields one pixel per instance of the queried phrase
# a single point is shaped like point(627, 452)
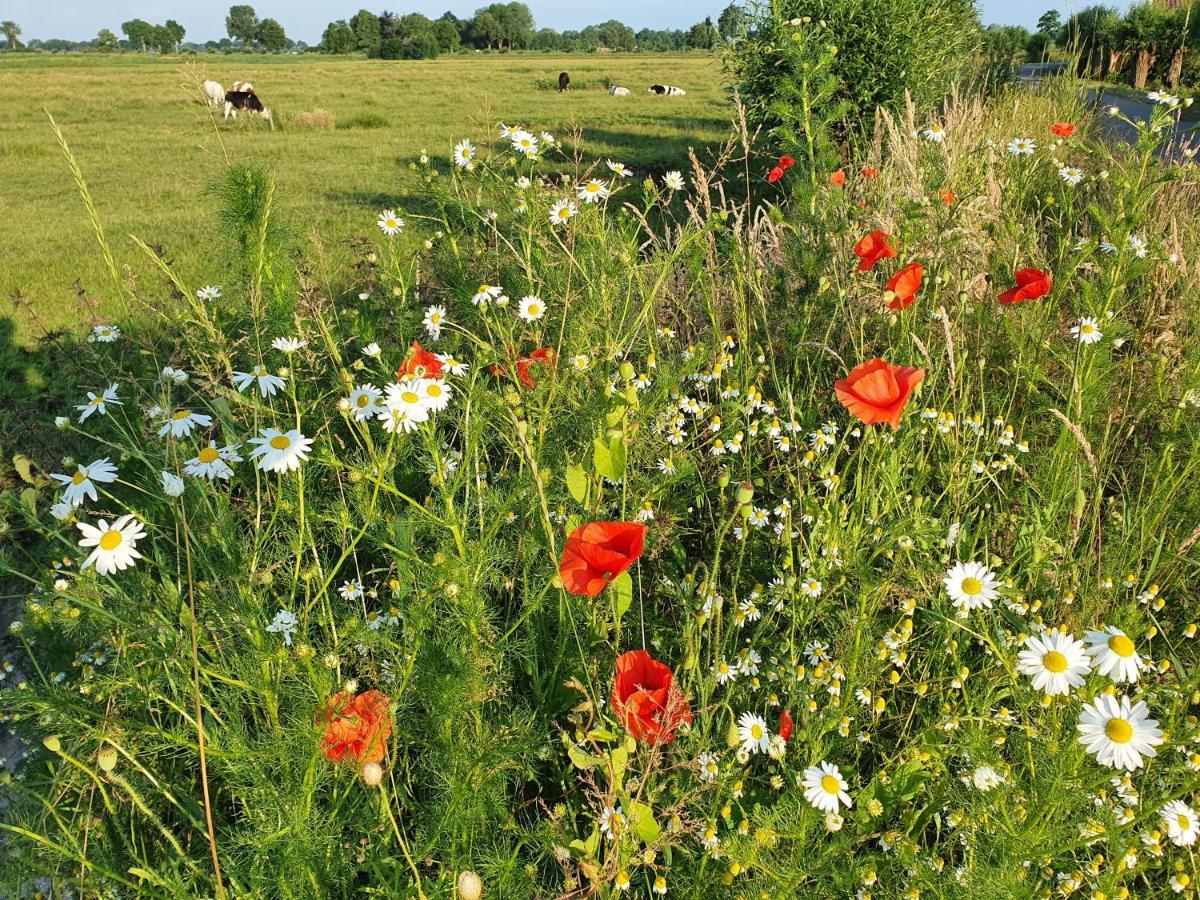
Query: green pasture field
point(149, 149)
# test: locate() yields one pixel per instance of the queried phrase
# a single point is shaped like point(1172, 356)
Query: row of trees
point(510, 26)
point(1149, 42)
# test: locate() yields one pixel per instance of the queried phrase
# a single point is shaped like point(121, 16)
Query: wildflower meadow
point(819, 518)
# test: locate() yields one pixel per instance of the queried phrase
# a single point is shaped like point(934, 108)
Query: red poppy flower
point(1031, 284)
point(786, 162)
point(775, 174)
point(1063, 129)
point(420, 364)
point(838, 178)
point(356, 726)
point(872, 248)
point(597, 553)
point(646, 698)
point(870, 172)
point(542, 356)
point(877, 391)
point(947, 197)
point(903, 286)
point(786, 725)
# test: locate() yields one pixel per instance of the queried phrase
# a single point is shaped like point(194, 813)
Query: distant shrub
point(312, 120)
point(365, 120)
point(883, 49)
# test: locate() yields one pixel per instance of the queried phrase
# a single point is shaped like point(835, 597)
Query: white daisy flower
point(172, 484)
point(1071, 175)
point(99, 403)
point(104, 334)
point(1114, 654)
point(435, 393)
point(268, 384)
point(1181, 822)
point(1087, 331)
point(183, 422)
point(372, 350)
point(115, 545)
point(486, 294)
point(389, 223)
point(825, 788)
point(562, 211)
point(593, 191)
point(62, 511)
point(985, 778)
point(435, 318)
point(1055, 662)
point(1021, 146)
point(971, 586)
point(1139, 246)
point(289, 344)
point(619, 169)
point(524, 142)
point(403, 406)
point(464, 154)
point(83, 483)
point(285, 623)
point(351, 590)
point(935, 133)
point(364, 402)
point(212, 462)
point(531, 309)
point(753, 733)
point(1119, 734)
point(209, 292)
point(673, 180)
point(280, 451)
point(174, 375)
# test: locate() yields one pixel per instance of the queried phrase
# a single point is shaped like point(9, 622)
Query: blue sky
point(305, 19)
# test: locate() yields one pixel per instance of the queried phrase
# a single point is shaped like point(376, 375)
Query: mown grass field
point(149, 149)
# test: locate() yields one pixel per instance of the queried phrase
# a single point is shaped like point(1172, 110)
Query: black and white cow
point(564, 81)
point(244, 100)
point(667, 90)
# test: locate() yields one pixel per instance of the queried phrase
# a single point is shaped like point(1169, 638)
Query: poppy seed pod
point(745, 493)
point(107, 758)
point(469, 886)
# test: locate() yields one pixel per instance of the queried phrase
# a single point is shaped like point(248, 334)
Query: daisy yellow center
point(1183, 822)
point(1088, 329)
point(281, 442)
point(433, 390)
point(364, 399)
point(564, 212)
point(756, 732)
point(435, 318)
point(410, 397)
point(1118, 731)
point(181, 414)
point(1120, 645)
point(96, 401)
point(207, 455)
point(110, 540)
point(78, 478)
point(1054, 662)
point(390, 223)
point(534, 309)
point(830, 785)
point(972, 586)
point(593, 187)
point(259, 371)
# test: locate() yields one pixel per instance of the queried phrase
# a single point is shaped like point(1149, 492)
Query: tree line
point(1151, 42)
point(389, 35)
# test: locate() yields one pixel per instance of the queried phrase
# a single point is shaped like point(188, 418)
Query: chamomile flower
point(403, 406)
point(289, 344)
point(82, 483)
point(935, 133)
point(183, 422)
point(268, 384)
point(1055, 662)
point(486, 293)
point(1021, 146)
point(174, 375)
point(971, 586)
point(1118, 733)
point(209, 292)
point(372, 350)
point(351, 590)
point(1114, 654)
point(172, 484)
point(98, 403)
point(753, 733)
point(115, 546)
point(104, 334)
point(1087, 331)
point(464, 154)
point(612, 822)
point(364, 402)
point(593, 191)
point(985, 778)
point(280, 451)
point(531, 308)
point(435, 318)
point(825, 788)
point(524, 142)
point(389, 223)
point(452, 365)
point(213, 462)
point(618, 169)
point(284, 623)
point(1071, 175)
point(562, 211)
point(435, 393)
point(1181, 821)
point(673, 180)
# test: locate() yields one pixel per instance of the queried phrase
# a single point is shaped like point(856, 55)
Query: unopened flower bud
point(372, 774)
point(469, 886)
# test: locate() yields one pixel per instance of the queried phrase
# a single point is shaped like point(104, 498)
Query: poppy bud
point(626, 370)
point(723, 480)
point(372, 774)
point(745, 492)
point(52, 743)
point(469, 886)
point(107, 758)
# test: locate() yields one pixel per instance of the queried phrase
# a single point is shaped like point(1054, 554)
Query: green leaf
point(582, 759)
point(577, 483)
point(614, 416)
point(602, 461)
point(29, 498)
point(616, 452)
point(587, 849)
point(601, 734)
point(24, 466)
point(641, 817)
point(622, 587)
point(620, 759)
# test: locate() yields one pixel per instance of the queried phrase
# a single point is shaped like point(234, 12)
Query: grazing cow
point(564, 80)
point(243, 87)
point(667, 90)
point(214, 92)
point(235, 100)
point(615, 91)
